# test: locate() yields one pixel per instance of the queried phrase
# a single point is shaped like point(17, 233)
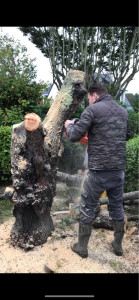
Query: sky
point(43, 65)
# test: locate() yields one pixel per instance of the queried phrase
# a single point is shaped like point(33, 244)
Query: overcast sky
point(43, 66)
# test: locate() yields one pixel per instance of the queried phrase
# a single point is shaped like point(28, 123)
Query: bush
point(131, 171)
point(19, 92)
point(42, 110)
point(134, 101)
point(11, 116)
point(17, 76)
point(133, 121)
point(133, 117)
point(5, 161)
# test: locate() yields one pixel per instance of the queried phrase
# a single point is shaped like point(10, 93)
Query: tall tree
point(19, 92)
point(103, 50)
point(17, 75)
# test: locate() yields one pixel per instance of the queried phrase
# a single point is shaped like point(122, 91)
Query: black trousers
point(95, 184)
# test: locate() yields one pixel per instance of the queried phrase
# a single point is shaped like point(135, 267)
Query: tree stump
point(35, 149)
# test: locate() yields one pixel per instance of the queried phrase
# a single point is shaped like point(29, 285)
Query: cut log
point(35, 149)
point(70, 180)
point(105, 200)
point(131, 202)
point(131, 195)
point(133, 218)
point(61, 212)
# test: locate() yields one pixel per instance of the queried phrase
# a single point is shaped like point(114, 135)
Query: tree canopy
point(19, 92)
point(134, 101)
point(111, 51)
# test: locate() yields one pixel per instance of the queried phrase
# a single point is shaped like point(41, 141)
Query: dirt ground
point(56, 253)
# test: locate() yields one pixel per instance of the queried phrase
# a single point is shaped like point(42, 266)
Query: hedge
point(131, 171)
point(5, 161)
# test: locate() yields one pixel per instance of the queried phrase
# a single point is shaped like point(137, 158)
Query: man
point(108, 129)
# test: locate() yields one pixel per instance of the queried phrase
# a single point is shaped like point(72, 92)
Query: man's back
point(107, 125)
point(107, 135)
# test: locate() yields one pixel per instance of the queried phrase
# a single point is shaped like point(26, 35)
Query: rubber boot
point(83, 239)
point(118, 236)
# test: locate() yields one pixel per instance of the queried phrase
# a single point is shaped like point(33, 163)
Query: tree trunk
point(34, 156)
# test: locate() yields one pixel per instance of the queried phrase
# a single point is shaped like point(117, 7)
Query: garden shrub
point(11, 116)
point(133, 117)
point(133, 121)
point(42, 110)
point(5, 161)
point(131, 171)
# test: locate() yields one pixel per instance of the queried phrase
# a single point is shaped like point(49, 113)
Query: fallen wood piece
point(60, 212)
point(70, 180)
point(133, 218)
point(131, 202)
point(103, 220)
point(136, 201)
point(131, 195)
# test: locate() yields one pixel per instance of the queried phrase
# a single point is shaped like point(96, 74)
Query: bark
point(34, 156)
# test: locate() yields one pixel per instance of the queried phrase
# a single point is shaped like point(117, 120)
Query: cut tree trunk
point(35, 149)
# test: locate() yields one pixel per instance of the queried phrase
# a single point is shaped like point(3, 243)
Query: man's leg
point(116, 212)
point(118, 236)
point(89, 200)
point(83, 238)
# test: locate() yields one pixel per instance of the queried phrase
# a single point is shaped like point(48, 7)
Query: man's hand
point(69, 122)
